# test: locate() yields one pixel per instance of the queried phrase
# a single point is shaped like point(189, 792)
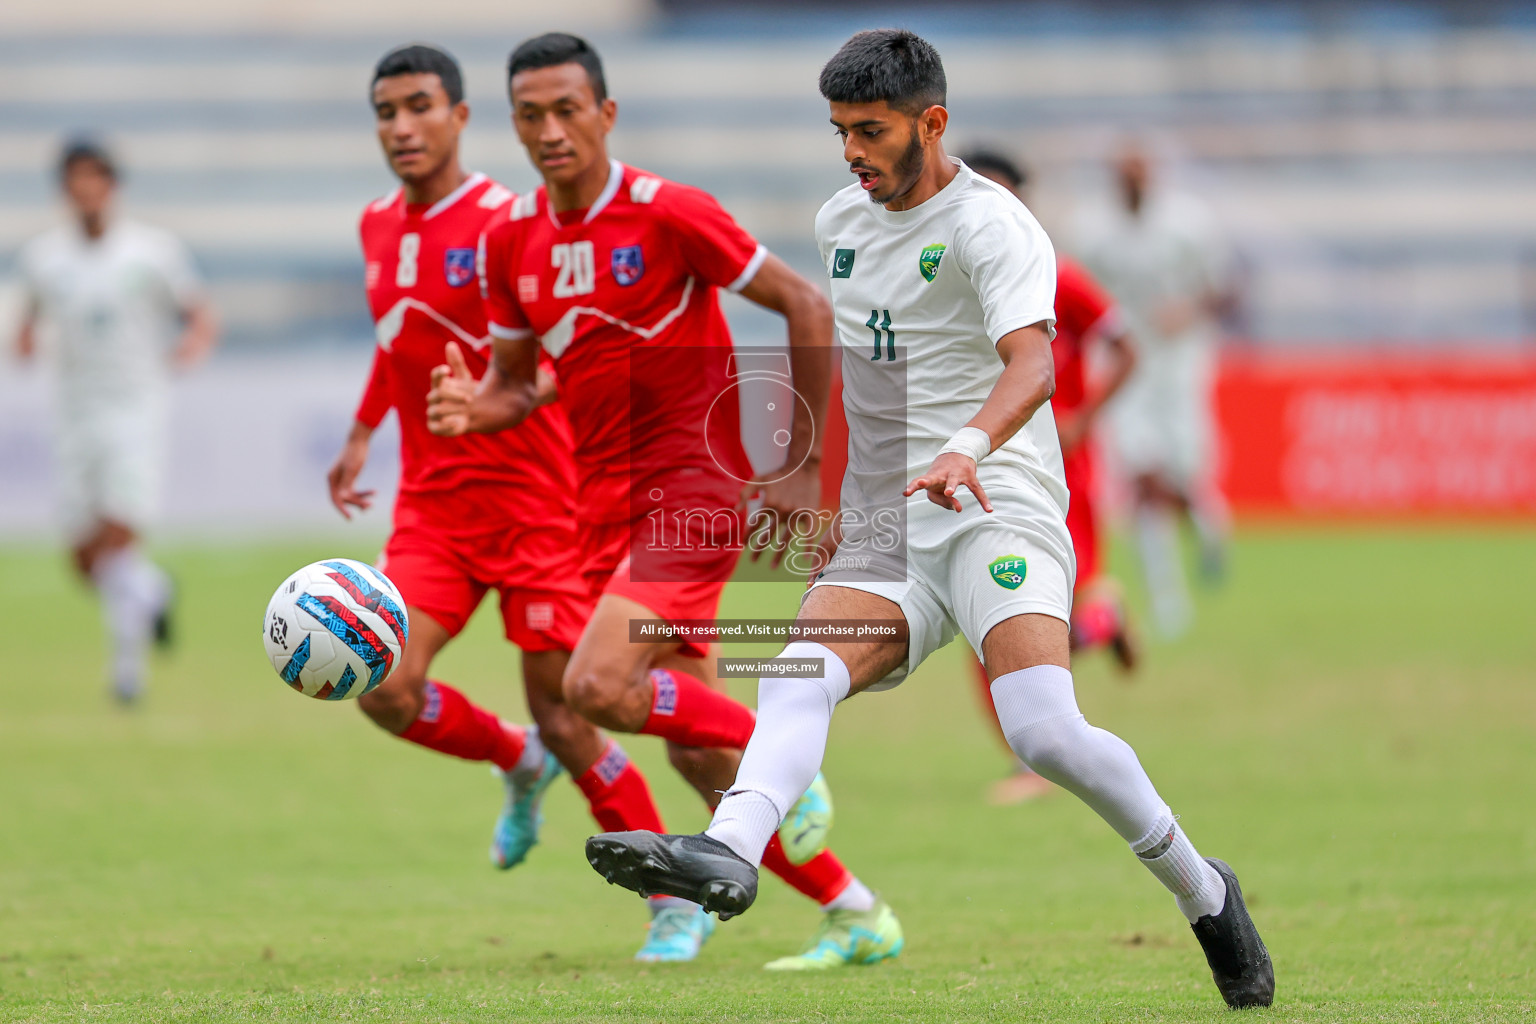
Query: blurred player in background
point(614, 273)
point(965, 277)
point(1088, 330)
point(118, 305)
point(475, 513)
point(1163, 260)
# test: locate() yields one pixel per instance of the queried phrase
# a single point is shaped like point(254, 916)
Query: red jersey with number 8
point(423, 292)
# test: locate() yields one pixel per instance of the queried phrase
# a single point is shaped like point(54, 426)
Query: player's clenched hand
point(785, 495)
point(452, 395)
point(949, 472)
point(343, 478)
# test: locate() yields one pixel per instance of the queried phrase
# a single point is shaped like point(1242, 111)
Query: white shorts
point(109, 466)
point(1017, 560)
point(1160, 422)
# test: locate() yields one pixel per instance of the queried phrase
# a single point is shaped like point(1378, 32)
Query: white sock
point(784, 754)
point(856, 896)
point(1157, 540)
point(1039, 714)
point(133, 590)
point(659, 903)
point(1171, 857)
point(531, 763)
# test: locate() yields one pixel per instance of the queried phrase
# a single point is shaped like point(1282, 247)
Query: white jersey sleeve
point(1012, 266)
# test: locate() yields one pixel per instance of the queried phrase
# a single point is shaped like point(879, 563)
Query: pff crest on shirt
point(928, 261)
point(459, 266)
point(628, 264)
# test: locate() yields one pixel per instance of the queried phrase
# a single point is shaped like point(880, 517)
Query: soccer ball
point(334, 630)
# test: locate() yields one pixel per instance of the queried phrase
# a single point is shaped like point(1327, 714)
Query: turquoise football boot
point(517, 829)
point(805, 828)
point(677, 934)
point(848, 937)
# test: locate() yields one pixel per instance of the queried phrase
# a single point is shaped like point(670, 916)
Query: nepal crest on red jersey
point(628, 264)
point(459, 266)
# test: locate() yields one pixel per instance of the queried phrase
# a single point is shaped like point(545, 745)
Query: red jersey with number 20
point(423, 292)
point(623, 296)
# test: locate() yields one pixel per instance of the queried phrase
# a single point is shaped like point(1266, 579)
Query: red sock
point(617, 794)
point(450, 724)
point(689, 713)
point(822, 878)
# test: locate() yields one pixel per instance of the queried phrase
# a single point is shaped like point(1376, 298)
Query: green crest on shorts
point(928, 261)
point(1008, 571)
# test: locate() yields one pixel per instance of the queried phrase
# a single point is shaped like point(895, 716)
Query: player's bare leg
point(135, 601)
point(1211, 520)
point(398, 701)
point(621, 685)
point(1157, 510)
point(576, 742)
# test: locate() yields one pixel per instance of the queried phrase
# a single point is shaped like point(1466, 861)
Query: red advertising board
point(1379, 434)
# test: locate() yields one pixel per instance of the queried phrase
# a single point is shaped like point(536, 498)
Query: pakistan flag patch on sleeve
point(928, 261)
point(1008, 571)
point(842, 263)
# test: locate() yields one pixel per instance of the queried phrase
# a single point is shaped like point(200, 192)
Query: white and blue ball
point(335, 629)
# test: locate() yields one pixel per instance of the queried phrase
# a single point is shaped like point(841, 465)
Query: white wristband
point(972, 442)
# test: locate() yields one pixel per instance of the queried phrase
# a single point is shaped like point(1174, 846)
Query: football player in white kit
point(115, 304)
point(1162, 258)
point(943, 284)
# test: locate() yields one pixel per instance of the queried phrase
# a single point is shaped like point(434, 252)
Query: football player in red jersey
point(476, 513)
point(1085, 317)
point(614, 272)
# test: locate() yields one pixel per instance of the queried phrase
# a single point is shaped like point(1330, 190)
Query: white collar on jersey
point(452, 197)
point(615, 179)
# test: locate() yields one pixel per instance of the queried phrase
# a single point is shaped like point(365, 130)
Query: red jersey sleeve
point(503, 312)
point(376, 397)
point(709, 240)
point(1082, 306)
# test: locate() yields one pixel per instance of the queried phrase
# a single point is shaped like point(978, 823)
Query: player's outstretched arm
point(343, 475)
point(26, 334)
point(503, 398)
point(1119, 361)
point(796, 485)
point(1027, 382)
point(198, 337)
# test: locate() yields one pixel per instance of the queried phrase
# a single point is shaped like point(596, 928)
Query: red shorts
point(536, 572)
point(1082, 523)
point(675, 581)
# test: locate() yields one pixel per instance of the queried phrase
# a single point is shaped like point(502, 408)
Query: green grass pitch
point(1352, 724)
